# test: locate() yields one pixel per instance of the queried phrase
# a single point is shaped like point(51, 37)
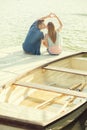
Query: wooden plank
point(79, 63)
point(70, 100)
point(47, 102)
point(67, 70)
point(52, 89)
point(75, 86)
point(80, 88)
point(51, 100)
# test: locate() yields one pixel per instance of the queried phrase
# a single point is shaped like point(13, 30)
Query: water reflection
point(78, 124)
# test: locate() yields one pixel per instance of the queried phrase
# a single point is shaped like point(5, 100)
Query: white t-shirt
point(54, 48)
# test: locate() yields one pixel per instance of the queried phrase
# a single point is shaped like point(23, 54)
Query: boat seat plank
point(52, 89)
point(79, 63)
point(67, 70)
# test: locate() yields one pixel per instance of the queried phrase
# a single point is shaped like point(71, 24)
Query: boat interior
point(63, 73)
point(50, 88)
point(76, 63)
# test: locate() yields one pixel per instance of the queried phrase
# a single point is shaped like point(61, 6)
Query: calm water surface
point(16, 16)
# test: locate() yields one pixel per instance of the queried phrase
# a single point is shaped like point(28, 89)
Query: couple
point(35, 37)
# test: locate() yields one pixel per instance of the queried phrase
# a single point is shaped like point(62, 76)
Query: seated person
point(52, 39)
point(34, 37)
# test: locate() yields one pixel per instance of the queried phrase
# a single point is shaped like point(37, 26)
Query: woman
point(52, 38)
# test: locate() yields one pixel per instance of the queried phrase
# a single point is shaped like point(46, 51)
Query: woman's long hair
point(51, 31)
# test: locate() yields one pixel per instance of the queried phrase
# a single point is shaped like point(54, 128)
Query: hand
point(52, 15)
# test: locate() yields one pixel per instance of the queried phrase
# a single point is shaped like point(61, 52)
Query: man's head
point(40, 24)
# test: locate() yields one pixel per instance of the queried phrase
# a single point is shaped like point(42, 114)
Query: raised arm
point(59, 21)
point(45, 17)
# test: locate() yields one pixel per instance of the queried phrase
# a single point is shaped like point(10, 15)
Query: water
point(16, 16)
point(79, 124)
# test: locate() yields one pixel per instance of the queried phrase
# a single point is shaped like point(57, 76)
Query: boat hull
point(6, 123)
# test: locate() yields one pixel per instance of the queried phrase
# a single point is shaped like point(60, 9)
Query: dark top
point(33, 40)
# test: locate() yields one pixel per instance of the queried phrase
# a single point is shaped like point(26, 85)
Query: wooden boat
point(48, 97)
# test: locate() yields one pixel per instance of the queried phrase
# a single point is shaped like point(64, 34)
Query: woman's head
point(50, 26)
point(51, 31)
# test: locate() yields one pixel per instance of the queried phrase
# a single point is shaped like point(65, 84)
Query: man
point(34, 37)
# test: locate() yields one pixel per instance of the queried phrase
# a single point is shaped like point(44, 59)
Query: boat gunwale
point(14, 122)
